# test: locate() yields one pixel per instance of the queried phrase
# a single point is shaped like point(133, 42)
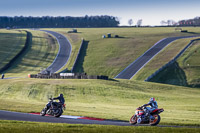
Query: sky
point(152, 12)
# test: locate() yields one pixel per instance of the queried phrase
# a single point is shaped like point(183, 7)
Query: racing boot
point(151, 117)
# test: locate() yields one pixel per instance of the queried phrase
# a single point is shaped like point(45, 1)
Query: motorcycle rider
point(152, 102)
point(61, 101)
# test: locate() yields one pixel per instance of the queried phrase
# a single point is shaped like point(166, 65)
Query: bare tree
point(168, 22)
point(163, 22)
point(130, 22)
point(139, 22)
point(171, 22)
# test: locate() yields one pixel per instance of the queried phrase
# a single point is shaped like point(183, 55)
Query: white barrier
point(66, 74)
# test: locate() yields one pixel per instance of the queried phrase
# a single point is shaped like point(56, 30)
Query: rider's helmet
point(152, 99)
point(61, 95)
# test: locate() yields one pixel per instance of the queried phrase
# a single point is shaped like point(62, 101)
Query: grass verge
point(32, 127)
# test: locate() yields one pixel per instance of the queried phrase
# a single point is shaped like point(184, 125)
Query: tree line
point(58, 22)
point(190, 22)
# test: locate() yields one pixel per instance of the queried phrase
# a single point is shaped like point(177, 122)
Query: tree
point(130, 22)
point(168, 22)
point(163, 22)
point(58, 22)
point(139, 22)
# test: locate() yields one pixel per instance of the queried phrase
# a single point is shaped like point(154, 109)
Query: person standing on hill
point(2, 76)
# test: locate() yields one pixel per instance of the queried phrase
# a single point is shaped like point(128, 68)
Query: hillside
point(109, 56)
point(11, 43)
point(166, 55)
point(102, 99)
point(41, 52)
point(185, 71)
point(112, 99)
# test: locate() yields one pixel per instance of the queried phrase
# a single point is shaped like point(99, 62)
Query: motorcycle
point(140, 116)
point(55, 109)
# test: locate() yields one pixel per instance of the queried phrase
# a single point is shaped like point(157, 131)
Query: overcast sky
point(151, 11)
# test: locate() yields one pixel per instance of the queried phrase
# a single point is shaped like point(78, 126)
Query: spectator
point(2, 76)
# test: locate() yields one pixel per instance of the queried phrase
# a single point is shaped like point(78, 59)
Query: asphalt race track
point(7, 115)
point(63, 54)
point(140, 62)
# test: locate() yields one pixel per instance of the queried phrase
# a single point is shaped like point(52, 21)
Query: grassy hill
point(166, 55)
point(112, 99)
point(11, 43)
point(110, 56)
point(102, 99)
point(185, 71)
point(41, 52)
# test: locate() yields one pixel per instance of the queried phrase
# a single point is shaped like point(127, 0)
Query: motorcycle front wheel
point(133, 120)
point(43, 112)
point(155, 121)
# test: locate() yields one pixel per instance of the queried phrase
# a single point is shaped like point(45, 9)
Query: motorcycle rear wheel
point(59, 113)
point(155, 121)
point(133, 120)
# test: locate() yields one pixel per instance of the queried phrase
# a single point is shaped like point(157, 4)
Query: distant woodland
point(58, 22)
point(190, 22)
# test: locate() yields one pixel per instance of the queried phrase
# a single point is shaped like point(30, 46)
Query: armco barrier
point(170, 62)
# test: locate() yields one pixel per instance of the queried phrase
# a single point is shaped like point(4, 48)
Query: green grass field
point(189, 62)
point(33, 127)
point(11, 43)
point(115, 54)
point(41, 53)
point(112, 99)
point(185, 71)
point(166, 55)
point(102, 99)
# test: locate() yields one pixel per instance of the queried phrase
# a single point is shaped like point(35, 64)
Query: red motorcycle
point(141, 118)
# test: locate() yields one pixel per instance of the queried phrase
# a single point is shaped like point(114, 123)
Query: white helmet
point(152, 99)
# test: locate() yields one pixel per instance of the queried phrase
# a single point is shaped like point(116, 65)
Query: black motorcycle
point(56, 109)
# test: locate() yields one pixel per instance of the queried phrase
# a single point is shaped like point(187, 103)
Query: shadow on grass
point(173, 75)
point(78, 66)
point(193, 33)
point(113, 80)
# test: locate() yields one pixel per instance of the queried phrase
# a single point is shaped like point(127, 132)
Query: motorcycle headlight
point(136, 112)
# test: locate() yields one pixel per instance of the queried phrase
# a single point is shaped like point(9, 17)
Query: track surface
point(8, 115)
point(140, 62)
point(63, 54)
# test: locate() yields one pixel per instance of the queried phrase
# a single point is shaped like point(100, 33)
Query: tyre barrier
point(67, 76)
